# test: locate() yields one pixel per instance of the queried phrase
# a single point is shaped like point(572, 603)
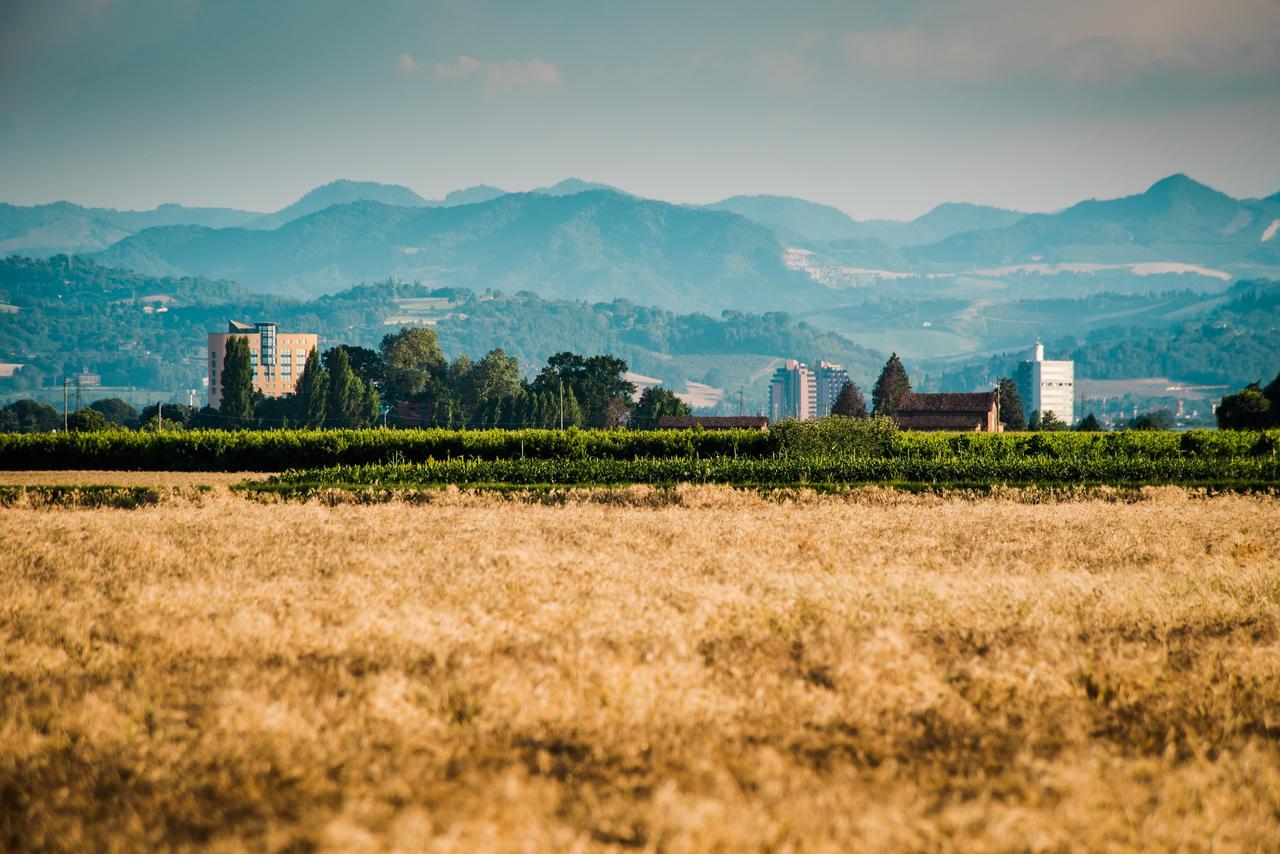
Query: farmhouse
point(713, 422)
point(978, 412)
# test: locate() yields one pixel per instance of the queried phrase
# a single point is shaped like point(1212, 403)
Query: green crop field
point(823, 454)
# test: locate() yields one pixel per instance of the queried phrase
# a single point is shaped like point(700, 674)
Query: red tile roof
point(713, 422)
point(980, 402)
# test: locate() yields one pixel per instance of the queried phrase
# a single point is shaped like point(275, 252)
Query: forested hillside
point(1233, 343)
point(151, 331)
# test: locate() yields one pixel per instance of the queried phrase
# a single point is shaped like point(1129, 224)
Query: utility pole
point(160, 415)
point(65, 380)
point(78, 395)
point(562, 404)
point(742, 401)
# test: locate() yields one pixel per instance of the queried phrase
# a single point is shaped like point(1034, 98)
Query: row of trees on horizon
point(408, 382)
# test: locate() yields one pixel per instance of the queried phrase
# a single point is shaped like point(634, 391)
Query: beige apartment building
point(277, 358)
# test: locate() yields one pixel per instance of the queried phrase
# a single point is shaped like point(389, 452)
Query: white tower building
point(1048, 385)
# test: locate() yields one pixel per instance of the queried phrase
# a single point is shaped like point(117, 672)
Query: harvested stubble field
point(680, 671)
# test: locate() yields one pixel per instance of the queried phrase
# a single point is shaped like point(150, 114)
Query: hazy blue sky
point(882, 109)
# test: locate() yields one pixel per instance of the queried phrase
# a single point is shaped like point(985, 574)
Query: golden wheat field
point(704, 670)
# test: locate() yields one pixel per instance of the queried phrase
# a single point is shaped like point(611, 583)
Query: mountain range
point(1176, 219)
point(64, 227)
point(593, 245)
point(808, 221)
point(576, 241)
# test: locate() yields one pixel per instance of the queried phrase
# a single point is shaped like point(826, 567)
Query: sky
point(883, 109)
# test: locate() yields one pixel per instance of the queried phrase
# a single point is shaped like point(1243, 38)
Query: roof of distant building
point(712, 422)
point(980, 401)
point(941, 420)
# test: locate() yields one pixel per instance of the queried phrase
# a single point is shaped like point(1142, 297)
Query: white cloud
point(1081, 41)
point(405, 62)
point(496, 77)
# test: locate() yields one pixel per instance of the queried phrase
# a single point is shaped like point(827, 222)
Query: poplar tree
point(572, 411)
point(313, 392)
point(1011, 405)
point(236, 406)
point(345, 404)
point(371, 405)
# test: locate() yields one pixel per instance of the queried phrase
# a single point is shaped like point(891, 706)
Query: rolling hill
point(340, 193)
point(74, 315)
point(62, 226)
point(595, 245)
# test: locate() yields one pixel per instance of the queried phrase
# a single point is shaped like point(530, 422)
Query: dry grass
point(726, 672)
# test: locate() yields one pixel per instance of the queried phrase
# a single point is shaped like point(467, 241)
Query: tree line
point(406, 382)
point(409, 382)
point(1254, 407)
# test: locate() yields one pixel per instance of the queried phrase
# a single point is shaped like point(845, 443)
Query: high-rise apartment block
point(277, 358)
point(793, 394)
point(1047, 385)
point(799, 393)
point(829, 379)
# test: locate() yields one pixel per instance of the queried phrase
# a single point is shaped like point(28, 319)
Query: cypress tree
point(236, 406)
point(890, 387)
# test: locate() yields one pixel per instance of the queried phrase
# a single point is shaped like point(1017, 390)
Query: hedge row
point(1025, 470)
point(277, 450)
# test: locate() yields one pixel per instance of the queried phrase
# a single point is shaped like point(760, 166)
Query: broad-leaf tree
point(654, 403)
point(412, 363)
point(1247, 409)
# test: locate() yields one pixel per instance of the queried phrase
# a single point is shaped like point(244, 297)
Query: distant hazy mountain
point(1176, 219)
point(940, 223)
point(341, 193)
point(793, 217)
point(65, 227)
point(470, 196)
point(572, 186)
point(597, 245)
point(809, 221)
point(43, 230)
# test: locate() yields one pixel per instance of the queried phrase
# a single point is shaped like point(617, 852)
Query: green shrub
point(835, 434)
